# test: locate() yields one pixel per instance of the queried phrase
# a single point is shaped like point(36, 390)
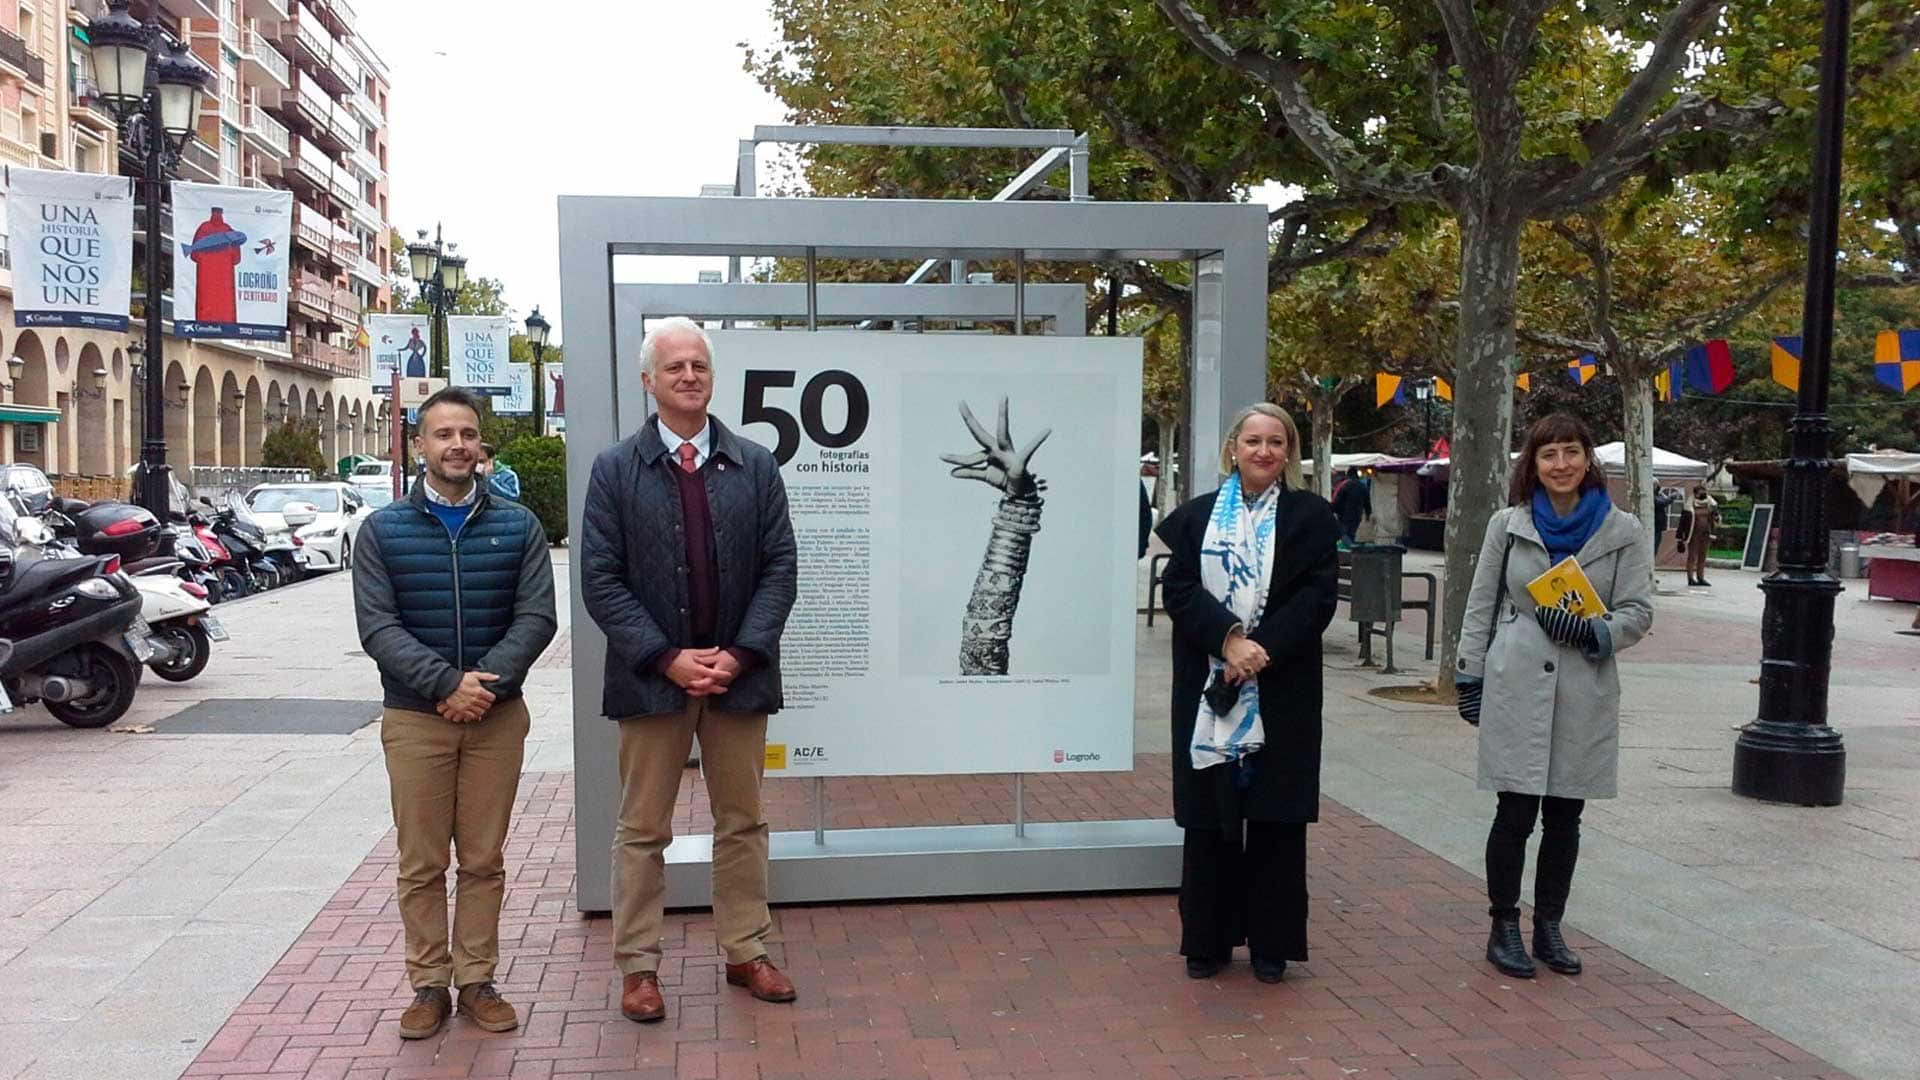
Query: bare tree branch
point(1316, 205)
point(1683, 24)
point(1908, 280)
point(1351, 167)
point(1283, 266)
point(1477, 60)
point(1193, 184)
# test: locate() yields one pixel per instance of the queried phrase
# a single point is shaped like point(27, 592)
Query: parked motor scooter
point(180, 625)
point(77, 639)
point(246, 541)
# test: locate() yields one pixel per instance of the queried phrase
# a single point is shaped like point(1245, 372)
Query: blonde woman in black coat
point(1251, 585)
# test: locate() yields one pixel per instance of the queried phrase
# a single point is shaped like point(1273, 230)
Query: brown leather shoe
point(640, 998)
point(762, 979)
point(428, 1013)
point(481, 1003)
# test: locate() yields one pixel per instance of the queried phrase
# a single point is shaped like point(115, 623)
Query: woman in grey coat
point(1544, 690)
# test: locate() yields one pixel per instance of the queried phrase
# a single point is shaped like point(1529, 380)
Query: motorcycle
point(246, 541)
point(180, 625)
point(76, 638)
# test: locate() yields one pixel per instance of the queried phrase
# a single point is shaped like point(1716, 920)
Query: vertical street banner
point(477, 348)
point(230, 271)
point(966, 514)
point(556, 391)
point(518, 401)
point(70, 236)
point(398, 343)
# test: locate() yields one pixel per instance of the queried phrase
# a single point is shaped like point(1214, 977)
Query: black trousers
point(1507, 854)
point(1245, 886)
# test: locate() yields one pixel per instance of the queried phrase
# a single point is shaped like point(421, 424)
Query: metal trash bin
point(1846, 559)
point(1376, 583)
point(1374, 602)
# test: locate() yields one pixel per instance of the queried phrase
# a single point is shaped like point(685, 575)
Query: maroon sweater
point(703, 576)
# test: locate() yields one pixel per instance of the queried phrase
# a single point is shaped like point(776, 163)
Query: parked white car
point(372, 474)
point(338, 511)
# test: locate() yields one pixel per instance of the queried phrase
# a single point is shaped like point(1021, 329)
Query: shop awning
point(28, 414)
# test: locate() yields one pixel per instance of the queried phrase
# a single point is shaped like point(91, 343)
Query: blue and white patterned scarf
point(1236, 566)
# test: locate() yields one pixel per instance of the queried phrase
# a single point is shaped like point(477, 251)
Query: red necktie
point(687, 453)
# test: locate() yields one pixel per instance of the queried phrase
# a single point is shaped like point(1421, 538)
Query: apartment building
point(296, 101)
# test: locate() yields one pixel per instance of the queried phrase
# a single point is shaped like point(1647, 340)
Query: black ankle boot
point(1552, 949)
point(1507, 951)
point(1201, 967)
point(1269, 971)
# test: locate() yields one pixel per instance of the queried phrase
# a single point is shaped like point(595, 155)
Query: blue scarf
point(1565, 536)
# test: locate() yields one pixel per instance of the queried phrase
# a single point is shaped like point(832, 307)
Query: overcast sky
point(500, 107)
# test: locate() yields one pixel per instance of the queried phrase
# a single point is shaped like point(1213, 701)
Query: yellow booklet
point(1566, 587)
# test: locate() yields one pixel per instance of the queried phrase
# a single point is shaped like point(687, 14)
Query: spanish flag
point(1786, 362)
point(1896, 359)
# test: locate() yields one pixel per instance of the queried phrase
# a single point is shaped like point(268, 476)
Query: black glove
point(1469, 691)
point(1567, 628)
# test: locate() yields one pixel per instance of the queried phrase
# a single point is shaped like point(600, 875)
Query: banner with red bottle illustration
point(70, 240)
point(230, 272)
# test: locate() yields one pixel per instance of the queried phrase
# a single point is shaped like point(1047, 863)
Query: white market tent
point(1667, 465)
point(1868, 474)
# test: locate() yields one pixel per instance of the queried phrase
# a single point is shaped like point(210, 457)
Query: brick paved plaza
point(223, 905)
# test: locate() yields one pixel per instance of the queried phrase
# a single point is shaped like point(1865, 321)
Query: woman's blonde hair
point(1290, 475)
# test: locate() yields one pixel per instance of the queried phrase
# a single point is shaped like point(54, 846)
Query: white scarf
point(1236, 567)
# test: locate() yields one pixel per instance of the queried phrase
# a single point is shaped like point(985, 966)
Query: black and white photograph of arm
point(987, 630)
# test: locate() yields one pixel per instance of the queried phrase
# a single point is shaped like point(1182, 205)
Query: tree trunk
point(1482, 404)
point(1323, 404)
point(1636, 393)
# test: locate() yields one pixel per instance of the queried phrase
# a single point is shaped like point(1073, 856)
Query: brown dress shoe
point(640, 998)
point(481, 1003)
point(429, 1011)
point(762, 979)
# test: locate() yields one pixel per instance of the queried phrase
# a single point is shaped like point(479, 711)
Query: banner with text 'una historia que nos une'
point(519, 398)
point(230, 261)
point(477, 346)
point(398, 343)
point(70, 236)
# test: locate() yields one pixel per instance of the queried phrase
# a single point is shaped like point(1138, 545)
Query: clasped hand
point(1244, 657)
point(471, 699)
point(1566, 628)
point(703, 672)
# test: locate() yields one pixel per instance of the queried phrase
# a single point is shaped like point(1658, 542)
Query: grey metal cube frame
point(1226, 244)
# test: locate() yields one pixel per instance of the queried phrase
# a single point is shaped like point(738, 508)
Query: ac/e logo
point(809, 752)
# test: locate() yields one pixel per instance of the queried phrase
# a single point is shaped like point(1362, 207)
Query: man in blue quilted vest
point(687, 562)
point(453, 589)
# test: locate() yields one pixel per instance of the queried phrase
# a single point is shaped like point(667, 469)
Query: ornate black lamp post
point(155, 92)
point(1789, 754)
point(440, 273)
point(537, 331)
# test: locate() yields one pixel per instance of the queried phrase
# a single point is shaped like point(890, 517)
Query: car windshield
point(376, 497)
point(275, 500)
point(23, 478)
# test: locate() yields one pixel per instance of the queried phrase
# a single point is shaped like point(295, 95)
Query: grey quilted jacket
point(634, 568)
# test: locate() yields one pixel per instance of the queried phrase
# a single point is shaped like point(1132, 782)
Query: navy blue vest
point(455, 595)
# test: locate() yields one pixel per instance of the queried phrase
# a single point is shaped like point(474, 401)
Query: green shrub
point(295, 446)
point(542, 467)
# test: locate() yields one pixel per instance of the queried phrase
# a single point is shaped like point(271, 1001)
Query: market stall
point(1670, 470)
point(1892, 559)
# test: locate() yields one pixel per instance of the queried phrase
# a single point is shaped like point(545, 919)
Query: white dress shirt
point(702, 441)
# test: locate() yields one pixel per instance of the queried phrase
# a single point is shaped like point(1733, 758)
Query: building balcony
point(195, 9)
point(344, 128)
point(200, 163)
point(312, 230)
point(230, 112)
point(365, 109)
point(331, 359)
point(311, 162)
point(17, 60)
point(263, 60)
point(346, 247)
point(346, 307)
point(90, 112)
point(365, 269)
point(314, 105)
point(311, 40)
point(313, 298)
point(268, 11)
point(366, 216)
point(266, 132)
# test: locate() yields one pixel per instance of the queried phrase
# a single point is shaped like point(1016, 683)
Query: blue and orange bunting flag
point(1786, 362)
point(1667, 386)
point(1442, 389)
point(1582, 371)
point(1387, 388)
point(1896, 359)
point(1525, 382)
point(1710, 366)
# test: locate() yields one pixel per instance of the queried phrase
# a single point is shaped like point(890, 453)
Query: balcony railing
point(14, 54)
point(312, 162)
point(230, 111)
point(89, 109)
point(313, 37)
point(312, 229)
point(255, 48)
point(364, 107)
point(368, 271)
point(324, 357)
point(315, 101)
point(272, 134)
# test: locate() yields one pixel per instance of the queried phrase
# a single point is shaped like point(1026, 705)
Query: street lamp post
point(1788, 753)
point(537, 331)
point(1423, 393)
point(160, 88)
point(441, 273)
